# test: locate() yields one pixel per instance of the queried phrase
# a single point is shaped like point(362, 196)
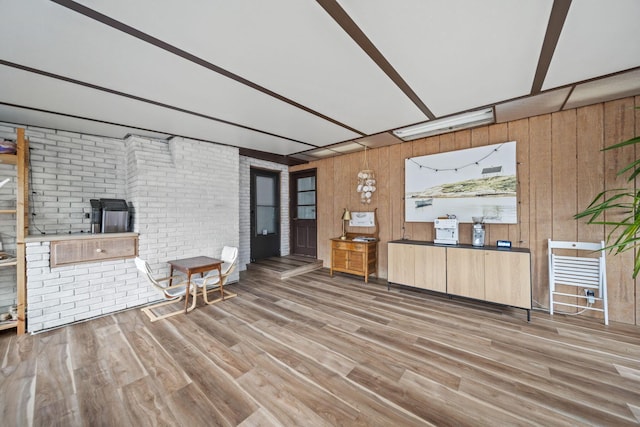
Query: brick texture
point(185, 200)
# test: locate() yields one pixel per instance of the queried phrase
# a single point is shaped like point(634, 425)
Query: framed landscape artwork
point(475, 182)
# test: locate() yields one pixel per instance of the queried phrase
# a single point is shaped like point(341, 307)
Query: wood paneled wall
point(560, 169)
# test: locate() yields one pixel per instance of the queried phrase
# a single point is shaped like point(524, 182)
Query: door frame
point(253, 173)
point(293, 212)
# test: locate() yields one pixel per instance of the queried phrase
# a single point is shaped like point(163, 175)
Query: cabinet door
point(339, 259)
point(508, 278)
point(356, 262)
point(430, 268)
point(465, 272)
point(401, 264)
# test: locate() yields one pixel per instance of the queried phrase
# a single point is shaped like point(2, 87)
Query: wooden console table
point(360, 258)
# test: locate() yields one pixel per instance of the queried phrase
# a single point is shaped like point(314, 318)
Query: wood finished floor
point(319, 351)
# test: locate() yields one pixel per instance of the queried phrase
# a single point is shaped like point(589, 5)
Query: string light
point(456, 169)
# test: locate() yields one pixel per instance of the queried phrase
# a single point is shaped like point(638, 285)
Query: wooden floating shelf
point(11, 159)
point(8, 325)
point(7, 211)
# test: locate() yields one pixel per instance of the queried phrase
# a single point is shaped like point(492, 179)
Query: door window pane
point(306, 184)
point(306, 212)
point(266, 219)
point(265, 191)
point(307, 198)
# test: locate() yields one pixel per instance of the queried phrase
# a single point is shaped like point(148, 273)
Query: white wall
point(185, 198)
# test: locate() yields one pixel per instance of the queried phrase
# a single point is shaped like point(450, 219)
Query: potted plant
point(624, 201)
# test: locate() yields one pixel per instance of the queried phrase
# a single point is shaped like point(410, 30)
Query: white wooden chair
point(583, 273)
point(172, 294)
point(212, 281)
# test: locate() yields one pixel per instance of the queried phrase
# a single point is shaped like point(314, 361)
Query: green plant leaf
point(631, 141)
point(621, 204)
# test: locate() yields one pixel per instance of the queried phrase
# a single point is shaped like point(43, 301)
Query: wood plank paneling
point(540, 207)
point(563, 174)
point(619, 126)
point(590, 166)
point(560, 170)
point(383, 203)
point(590, 170)
point(326, 210)
point(396, 194)
point(564, 187)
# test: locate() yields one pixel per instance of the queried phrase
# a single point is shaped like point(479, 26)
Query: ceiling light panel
point(597, 39)
point(67, 98)
point(446, 124)
point(347, 147)
point(457, 55)
point(291, 47)
point(110, 58)
point(320, 153)
point(547, 102)
point(615, 87)
point(379, 140)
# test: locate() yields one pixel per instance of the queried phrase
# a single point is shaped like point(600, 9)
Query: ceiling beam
point(557, 17)
point(270, 157)
point(351, 28)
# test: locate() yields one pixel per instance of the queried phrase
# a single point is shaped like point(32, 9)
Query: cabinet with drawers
point(501, 276)
point(360, 258)
point(75, 251)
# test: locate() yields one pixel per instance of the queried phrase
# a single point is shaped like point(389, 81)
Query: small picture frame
point(362, 219)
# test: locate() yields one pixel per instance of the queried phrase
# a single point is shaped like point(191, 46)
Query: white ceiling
point(306, 79)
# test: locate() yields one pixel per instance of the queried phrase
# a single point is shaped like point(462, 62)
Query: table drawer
point(349, 246)
point(67, 252)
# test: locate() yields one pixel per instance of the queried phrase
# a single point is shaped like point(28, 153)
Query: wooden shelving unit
point(21, 160)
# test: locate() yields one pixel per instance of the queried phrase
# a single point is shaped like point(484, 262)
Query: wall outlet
point(590, 296)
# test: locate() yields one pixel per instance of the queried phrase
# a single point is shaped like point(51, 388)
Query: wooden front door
point(265, 214)
point(303, 193)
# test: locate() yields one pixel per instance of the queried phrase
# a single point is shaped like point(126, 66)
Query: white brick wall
point(69, 294)
point(185, 194)
point(246, 163)
point(185, 202)
point(67, 170)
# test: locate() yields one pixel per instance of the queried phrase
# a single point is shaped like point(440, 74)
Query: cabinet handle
point(99, 250)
